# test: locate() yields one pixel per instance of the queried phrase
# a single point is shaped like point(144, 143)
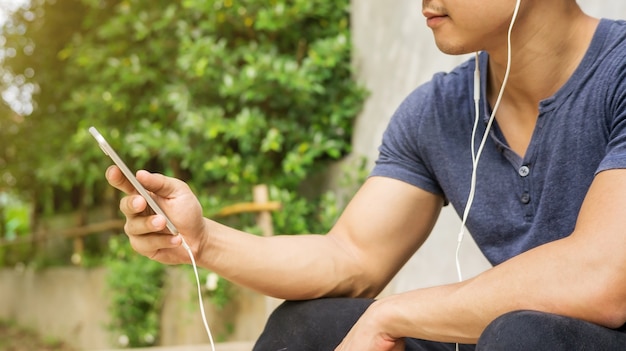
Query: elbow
point(355, 275)
point(598, 292)
point(611, 298)
point(599, 309)
point(608, 305)
point(611, 314)
point(361, 287)
point(361, 284)
point(369, 292)
point(377, 286)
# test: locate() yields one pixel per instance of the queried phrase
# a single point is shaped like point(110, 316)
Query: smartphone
point(108, 150)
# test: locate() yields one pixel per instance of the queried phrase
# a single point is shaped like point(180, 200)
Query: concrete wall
point(394, 53)
point(58, 303)
point(71, 304)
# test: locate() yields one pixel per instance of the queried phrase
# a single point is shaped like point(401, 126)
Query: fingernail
point(136, 202)
point(175, 240)
point(157, 221)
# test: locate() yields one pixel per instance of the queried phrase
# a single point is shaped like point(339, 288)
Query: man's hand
point(369, 334)
point(147, 232)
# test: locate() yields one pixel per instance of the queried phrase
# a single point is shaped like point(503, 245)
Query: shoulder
point(600, 79)
point(613, 28)
point(437, 112)
point(440, 93)
point(610, 39)
point(433, 107)
point(611, 63)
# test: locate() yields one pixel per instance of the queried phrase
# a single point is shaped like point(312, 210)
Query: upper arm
point(383, 225)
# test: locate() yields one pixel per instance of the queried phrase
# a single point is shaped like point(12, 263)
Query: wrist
point(387, 315)
point(396, 315)
point(200, 247)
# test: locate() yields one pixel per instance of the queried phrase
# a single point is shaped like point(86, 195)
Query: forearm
point(290, 267)
point(581, 276)
point(557, 277)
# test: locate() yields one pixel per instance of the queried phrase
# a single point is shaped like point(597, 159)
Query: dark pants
point(320, 325)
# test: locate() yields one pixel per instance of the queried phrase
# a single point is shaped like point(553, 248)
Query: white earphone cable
point(195, 271)
point(476, 156)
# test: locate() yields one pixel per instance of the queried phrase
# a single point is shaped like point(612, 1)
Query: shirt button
point(525, 198)
point(523, 171)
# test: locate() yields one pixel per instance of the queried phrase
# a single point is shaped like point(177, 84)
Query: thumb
point(160, 185)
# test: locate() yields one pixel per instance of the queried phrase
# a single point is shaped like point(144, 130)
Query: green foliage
point(14, 224)
point(15, 217)
point(36, 132)
point(222, 94)
point(135, 285)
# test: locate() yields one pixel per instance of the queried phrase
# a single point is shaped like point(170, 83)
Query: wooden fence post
point(260, 194)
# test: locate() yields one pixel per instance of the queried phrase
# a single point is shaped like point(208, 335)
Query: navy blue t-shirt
point(520, 203)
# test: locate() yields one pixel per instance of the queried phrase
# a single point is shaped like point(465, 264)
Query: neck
point(549, 40)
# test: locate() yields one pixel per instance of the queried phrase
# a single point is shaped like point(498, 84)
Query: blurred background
point(272, 111)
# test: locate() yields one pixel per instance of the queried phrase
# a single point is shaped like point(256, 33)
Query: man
point(548, 209)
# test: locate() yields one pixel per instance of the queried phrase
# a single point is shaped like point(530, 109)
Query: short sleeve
point(399, 154)
point(615, 157)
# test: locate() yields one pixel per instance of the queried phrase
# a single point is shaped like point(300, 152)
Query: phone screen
point(108, 150)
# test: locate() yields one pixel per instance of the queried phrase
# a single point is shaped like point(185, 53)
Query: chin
point(452, 49)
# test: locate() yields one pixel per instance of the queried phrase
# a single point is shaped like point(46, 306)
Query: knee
point(287, 324)
point(293, 314)
point(518, 330)
point(322, 322)
point(316, 312)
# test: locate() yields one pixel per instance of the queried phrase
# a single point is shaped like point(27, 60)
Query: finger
point(116, 178)
point(133, 205)
point(140, 225)
point(150, 244)
point(159, 184)
point(139, 218)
